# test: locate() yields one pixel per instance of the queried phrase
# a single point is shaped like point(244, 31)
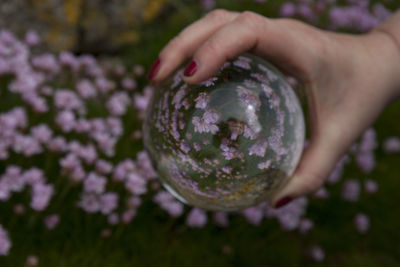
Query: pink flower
point(65, 120)
point(90, 203)
point(52, 221)
point(103, 166)
point(351, 190)
point(5, 242)
point(46, 62)
point(42, 133)
point(32, 261)
point(41, 195)
point(254, 215)
point(135, 184)
point(113, 219)
point(108, 202)
point(258, 148)
point(57, 144)
point(288, 9)
point(67, 100)
point(362, 223)
point(128, 215)
point(317, 253)
point(128, 83)
point(391, 145)
point(86, 89)
point(221, 218)
point(305, 225)
point(94, 183)
point(32, 38)
point(196, 218)
point(168, 203)
point(118, 103)
point(370, 186)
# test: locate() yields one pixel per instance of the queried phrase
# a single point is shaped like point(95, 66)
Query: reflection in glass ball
point(229, 142)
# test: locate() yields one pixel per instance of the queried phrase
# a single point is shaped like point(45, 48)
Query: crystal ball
point(229, 142)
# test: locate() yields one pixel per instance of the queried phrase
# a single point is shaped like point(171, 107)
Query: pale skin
point(349, 79)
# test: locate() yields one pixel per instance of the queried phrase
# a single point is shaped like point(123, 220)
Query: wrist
point(391, 30)
point(384, 47)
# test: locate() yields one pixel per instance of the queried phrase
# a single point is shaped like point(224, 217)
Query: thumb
point(317, 161)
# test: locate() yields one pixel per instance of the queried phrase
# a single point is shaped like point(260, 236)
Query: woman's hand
point(349, 79)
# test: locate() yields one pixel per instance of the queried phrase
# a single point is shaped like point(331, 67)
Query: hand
point(349, 79)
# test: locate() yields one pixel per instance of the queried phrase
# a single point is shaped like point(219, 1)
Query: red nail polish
point(154, 69)
point(282, 202)
point(190, 69)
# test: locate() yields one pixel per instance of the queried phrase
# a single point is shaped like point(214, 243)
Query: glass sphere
point(228, 142)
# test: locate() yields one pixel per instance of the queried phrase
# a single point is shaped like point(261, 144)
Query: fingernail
point(282, 202)
point(190, 69)
point(154, 69)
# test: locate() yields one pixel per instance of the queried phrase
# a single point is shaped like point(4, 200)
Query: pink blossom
point(90, 203)
point(70, 162)
point(52, 221)
point(362, 223)
point(196, 218)
point(317, 253)
point(258, 148)
point(305, 225)
point(113, 219)
point(42, 133)
point(34, 176)
point(392, 145)
point(289, 216)
point(57, 144)
point(108, 202)
point(208, 4)
point(168, 203)
point(322, 193)
point(46, 62)
point(221, 218)
point(128, 215)
point(351, 190)
point(103, 166)
point(94, 183)
point(65, 120)
point(86, 89)
point(118, 103)
point(41, 195)
point(32, 261)
point(135, 184)
point(370, 186)
point(32, 38)
point(128, 83)
point(254, 215)
point(366, 161)
point(69, 59)
point(67, 100)
point(288, 9)
point(5, 242)
point(202, 100)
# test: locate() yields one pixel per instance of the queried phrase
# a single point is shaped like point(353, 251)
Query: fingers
point(183, 46)
point(223, 35)
point(240, 35)
point(317, 161)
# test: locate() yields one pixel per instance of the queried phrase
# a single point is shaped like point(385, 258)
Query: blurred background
point(77, 188)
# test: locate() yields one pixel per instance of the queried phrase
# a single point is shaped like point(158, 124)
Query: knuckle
point(218, 14)
point(173, 45)
point(249, 17)
point(211, 47)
